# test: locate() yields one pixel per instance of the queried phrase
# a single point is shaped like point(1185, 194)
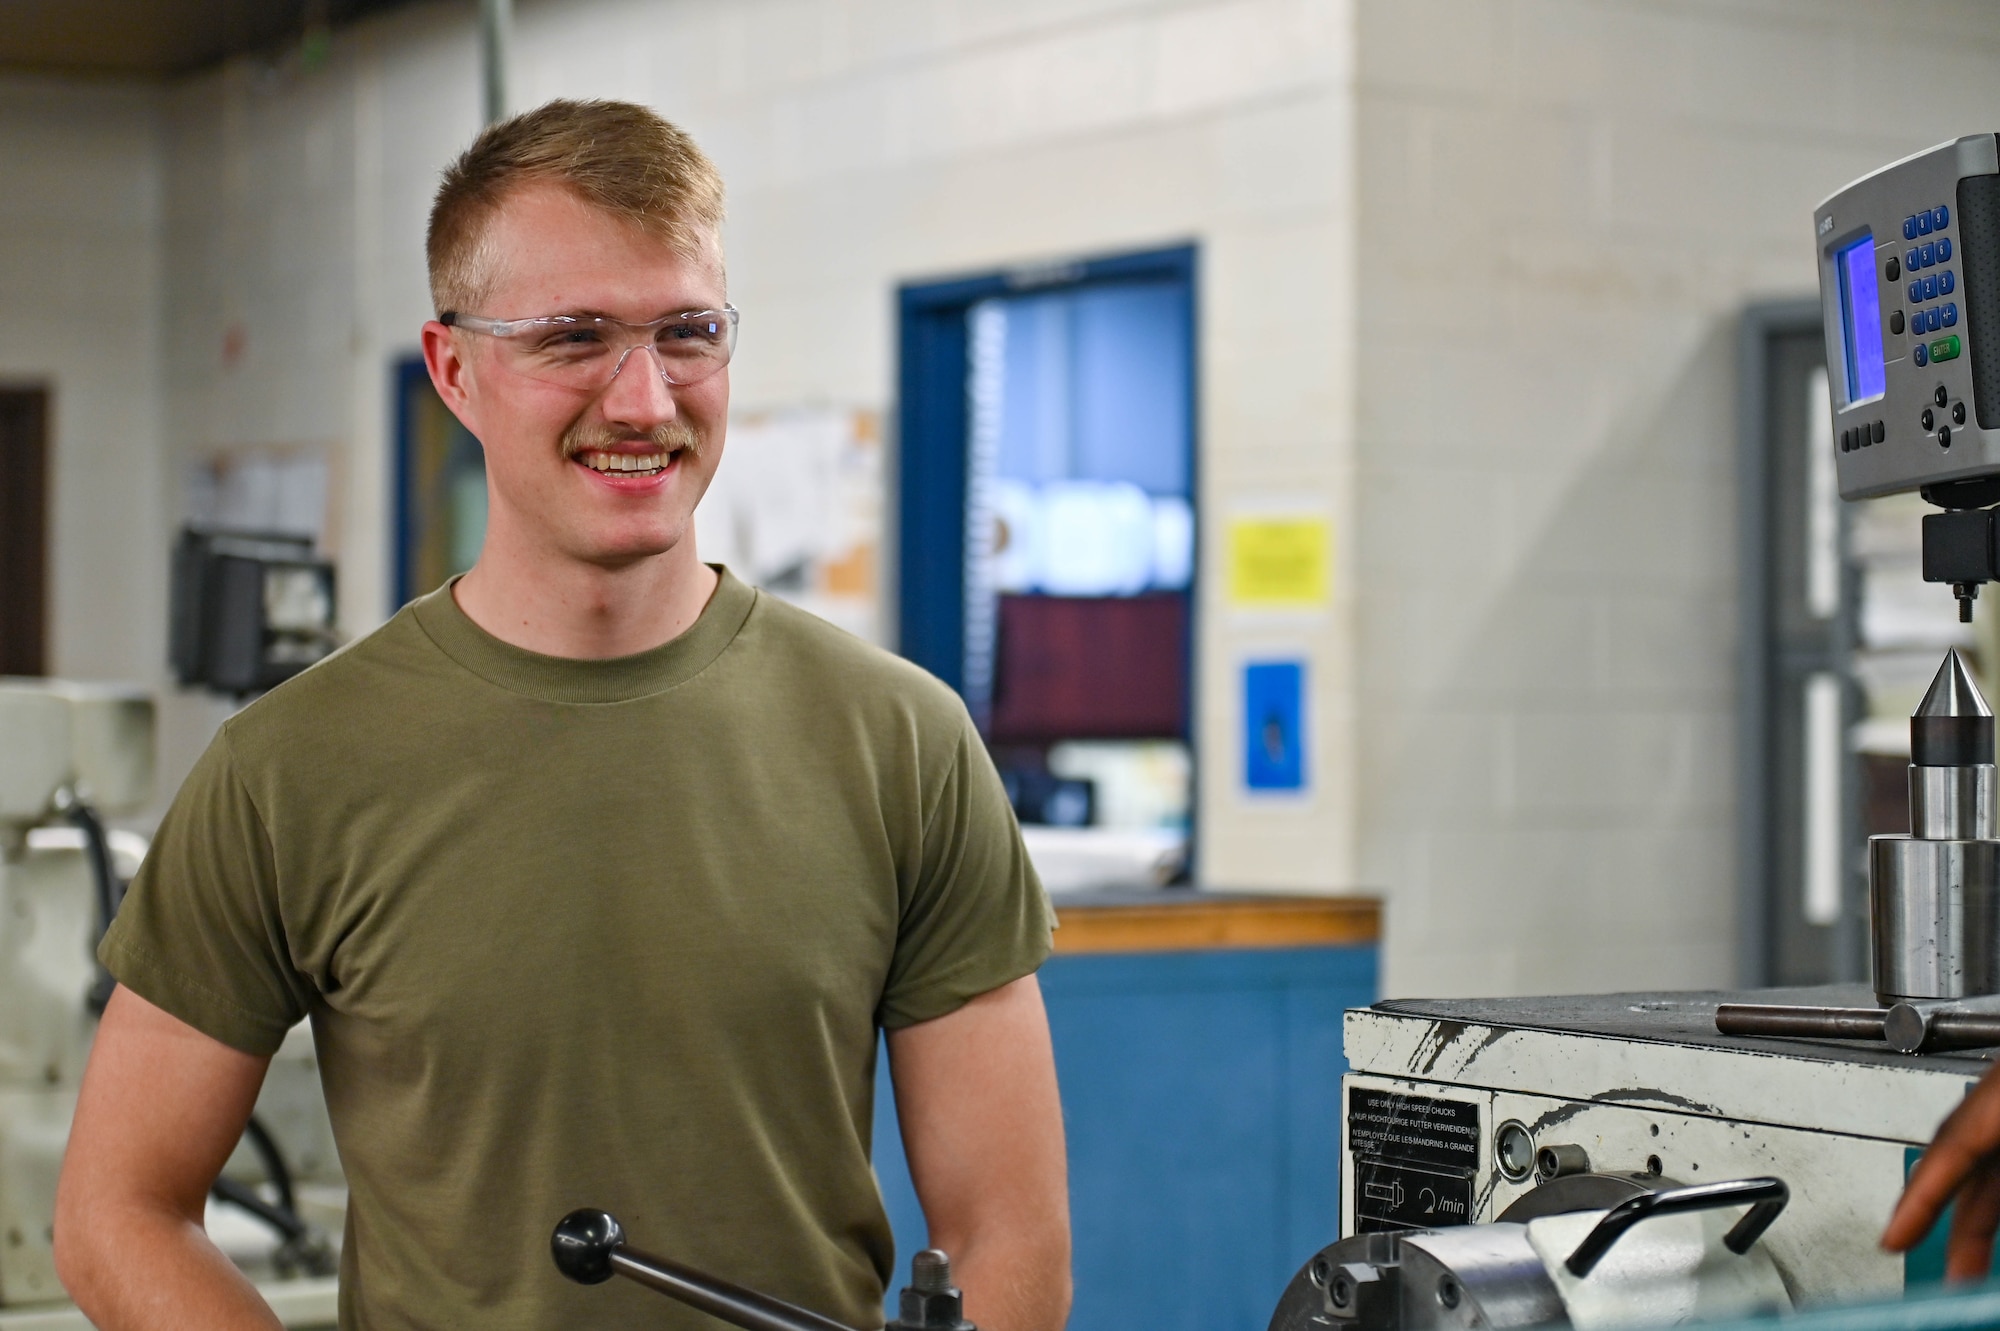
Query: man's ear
point(450, 375)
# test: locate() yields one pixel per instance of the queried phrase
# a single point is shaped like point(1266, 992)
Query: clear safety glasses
point(586, 352)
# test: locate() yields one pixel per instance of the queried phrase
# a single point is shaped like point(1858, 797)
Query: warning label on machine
point(1391, 1126)
point(1414, 1159)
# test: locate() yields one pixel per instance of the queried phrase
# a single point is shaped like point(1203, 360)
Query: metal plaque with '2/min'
point(1414, 1159)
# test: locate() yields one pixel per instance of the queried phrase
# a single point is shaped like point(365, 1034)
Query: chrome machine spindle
point(1934, 895)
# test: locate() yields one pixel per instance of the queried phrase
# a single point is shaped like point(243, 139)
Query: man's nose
point(638, 393)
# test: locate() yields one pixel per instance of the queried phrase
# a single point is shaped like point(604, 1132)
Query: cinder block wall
point(80, 207)
point(1469, 275)
point(1563, 207)
point(866, 143)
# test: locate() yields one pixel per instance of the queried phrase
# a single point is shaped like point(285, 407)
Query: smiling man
point(595, 871)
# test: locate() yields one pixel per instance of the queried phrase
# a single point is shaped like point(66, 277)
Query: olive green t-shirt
point(591, 933)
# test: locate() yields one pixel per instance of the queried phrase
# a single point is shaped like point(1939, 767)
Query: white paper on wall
point(283, 490)
point(796, 508)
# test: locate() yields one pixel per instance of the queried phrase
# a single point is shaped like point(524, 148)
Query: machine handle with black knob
point(589, 1247)
point(1767, 1197)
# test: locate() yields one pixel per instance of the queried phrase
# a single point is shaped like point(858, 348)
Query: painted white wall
point(1564, 203)
point(80, 259)
point(83, 173)
point(865, 143)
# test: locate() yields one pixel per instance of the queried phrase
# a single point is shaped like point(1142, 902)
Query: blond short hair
point(617, 156)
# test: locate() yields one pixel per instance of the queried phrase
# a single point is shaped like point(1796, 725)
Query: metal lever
point(589, 1248)
point(1768, 1194)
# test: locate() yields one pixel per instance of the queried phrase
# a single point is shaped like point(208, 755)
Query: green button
point(1945, 348)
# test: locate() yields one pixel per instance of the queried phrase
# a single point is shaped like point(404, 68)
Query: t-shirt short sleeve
point(200, 934)
point(976, 917)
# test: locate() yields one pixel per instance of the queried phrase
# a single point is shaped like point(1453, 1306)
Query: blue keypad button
point(1913, 260)
point(1933, 319)
point(1921, 355)
point(1916, 289)
point(1940, 218)
point(1930, 253)
point(1950, 315)
point(1910, 227)
point(1923, 224)
point(1946, 282)
point(1930, 287)
point(1944, 250)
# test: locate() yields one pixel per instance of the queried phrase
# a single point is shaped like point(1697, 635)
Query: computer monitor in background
point(248, 610)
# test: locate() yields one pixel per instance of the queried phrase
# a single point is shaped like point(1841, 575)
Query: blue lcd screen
point(1861, 320)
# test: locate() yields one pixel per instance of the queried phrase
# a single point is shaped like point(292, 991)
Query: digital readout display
point(1861, 320)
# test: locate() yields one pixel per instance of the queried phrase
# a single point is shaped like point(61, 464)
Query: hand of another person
point(1963, 1162)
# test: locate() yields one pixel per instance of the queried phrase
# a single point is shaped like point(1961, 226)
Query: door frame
point(26, 561)
point(932, 417)
point(1761, 671)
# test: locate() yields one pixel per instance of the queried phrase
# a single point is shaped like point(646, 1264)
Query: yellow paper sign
point(1280, 562)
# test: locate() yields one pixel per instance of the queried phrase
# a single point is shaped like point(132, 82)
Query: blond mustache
point(668, 437)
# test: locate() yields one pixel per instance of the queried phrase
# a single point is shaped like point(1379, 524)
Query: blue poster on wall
point(1274, 725)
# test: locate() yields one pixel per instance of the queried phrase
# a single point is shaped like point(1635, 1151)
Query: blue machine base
point(1201, 1097)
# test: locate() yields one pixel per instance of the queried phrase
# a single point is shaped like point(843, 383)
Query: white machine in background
point(69, 755)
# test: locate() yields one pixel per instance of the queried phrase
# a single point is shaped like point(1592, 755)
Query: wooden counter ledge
point(1179, 920)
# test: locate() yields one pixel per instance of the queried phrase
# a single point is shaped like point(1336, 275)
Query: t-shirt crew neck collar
point(565, 679)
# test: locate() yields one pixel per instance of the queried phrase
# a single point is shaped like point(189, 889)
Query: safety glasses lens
point(585, 353)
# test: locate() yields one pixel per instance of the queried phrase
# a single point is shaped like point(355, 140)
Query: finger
point(1925, 1195)
point(1968, 1135)
point(1938, 1174)
point(1969, 1251)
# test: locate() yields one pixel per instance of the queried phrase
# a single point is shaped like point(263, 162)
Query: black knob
point(583, 1243)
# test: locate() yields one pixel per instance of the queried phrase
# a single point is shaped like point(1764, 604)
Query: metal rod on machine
point(1905, 1027)
point(1962, 1030)
point(1813, 1023)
